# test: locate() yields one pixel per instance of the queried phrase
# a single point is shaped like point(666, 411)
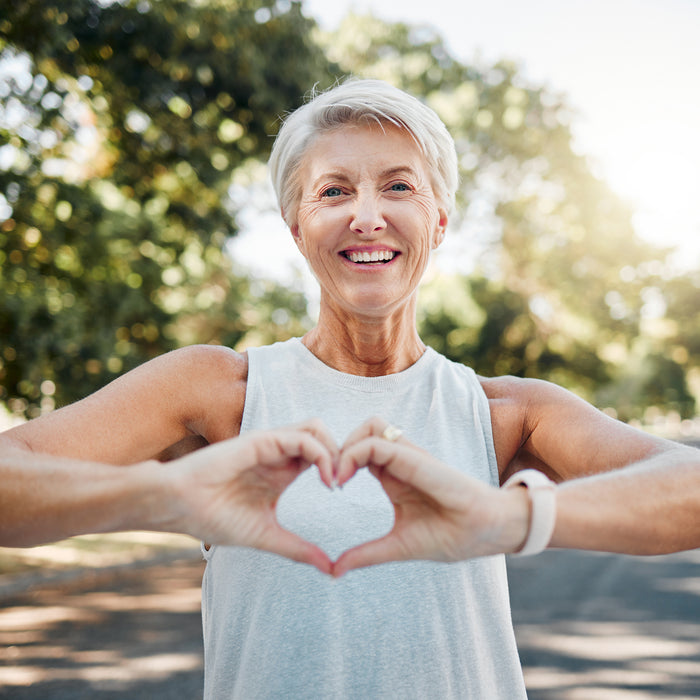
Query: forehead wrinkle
point(382, 153)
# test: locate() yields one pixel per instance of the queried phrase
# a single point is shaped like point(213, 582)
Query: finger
point(319, 430)
point(379, 551)
point(291, 546)
point(374, 426)
point(404, 462)
point(303, 446)
point(368, 452)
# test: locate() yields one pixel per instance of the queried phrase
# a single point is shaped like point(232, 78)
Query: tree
point(550, 294)
point(121, 127)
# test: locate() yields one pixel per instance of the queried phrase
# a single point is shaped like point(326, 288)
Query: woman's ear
point(296, 235)
point(441, 227)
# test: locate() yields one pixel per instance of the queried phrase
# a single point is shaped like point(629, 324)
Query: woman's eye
point(399, 187)
point(332, 192)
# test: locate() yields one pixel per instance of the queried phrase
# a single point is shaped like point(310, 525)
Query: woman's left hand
point(441, 514)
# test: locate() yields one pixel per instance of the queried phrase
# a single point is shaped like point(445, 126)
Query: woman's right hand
point(229, 491)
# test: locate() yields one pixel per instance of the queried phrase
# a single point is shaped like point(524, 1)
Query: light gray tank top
point(277, 629)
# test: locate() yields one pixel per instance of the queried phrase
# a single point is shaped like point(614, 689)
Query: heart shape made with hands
point(336, 520)
point(427, 508)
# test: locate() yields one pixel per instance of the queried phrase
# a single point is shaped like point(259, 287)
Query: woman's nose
point(367, 215)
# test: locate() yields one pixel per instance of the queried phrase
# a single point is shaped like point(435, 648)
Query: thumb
point(293, 547)
point(379, 551)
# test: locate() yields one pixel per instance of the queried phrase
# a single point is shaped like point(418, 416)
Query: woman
point(365, 176)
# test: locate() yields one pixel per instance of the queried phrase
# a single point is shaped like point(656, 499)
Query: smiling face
point(368, 217)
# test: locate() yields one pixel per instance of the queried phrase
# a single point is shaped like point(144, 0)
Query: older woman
point(365, 176)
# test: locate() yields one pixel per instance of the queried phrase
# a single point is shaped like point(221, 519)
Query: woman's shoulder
point(195, 391)
point(192, 368)
point(519, 401)
point(512, 388)
point(511, 402)
point(207, 360)
point(211, 370)
point(207, 384)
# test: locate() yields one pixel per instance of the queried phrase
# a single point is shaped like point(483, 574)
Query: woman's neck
point(366, 347)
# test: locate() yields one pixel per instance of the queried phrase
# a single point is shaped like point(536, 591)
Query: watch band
point(543, 502)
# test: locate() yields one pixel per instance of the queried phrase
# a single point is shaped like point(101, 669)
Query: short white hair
point(352, 102)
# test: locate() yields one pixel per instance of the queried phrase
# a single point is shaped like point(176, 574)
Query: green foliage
point(120, 127)
point(558, 290)
point(500, 334)
point(123, 124)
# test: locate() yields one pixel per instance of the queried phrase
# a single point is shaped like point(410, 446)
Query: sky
point(629, 68)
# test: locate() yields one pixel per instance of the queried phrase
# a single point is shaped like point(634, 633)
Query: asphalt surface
point(608, 627)
point(589, 627)
point(128, 632)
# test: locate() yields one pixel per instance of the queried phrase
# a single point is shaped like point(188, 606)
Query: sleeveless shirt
point(274, 628)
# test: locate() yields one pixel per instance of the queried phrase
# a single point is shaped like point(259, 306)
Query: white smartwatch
point(543, 512)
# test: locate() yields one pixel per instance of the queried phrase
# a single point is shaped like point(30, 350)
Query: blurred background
point(136, 216)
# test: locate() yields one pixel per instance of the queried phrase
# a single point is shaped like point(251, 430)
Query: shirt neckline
point(369, 384)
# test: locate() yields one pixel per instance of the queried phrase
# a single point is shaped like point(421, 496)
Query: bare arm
point(621, 489)
point(45, 498)
point(193, 394)
point(647, 504)
point(648, 507)
point(223, 494)
point(67, 472)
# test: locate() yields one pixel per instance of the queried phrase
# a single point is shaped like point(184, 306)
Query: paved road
point(590, 627)
point(127, 633)
point(608, 627)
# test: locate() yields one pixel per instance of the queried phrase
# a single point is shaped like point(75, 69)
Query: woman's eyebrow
point(398, 170)
point(331, 175)
point(342, 176)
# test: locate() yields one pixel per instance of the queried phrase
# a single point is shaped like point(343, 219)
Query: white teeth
point(374, 256)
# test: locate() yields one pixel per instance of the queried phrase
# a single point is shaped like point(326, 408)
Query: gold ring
point(392, 433)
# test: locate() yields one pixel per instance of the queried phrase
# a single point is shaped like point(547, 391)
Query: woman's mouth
point(364, 256)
